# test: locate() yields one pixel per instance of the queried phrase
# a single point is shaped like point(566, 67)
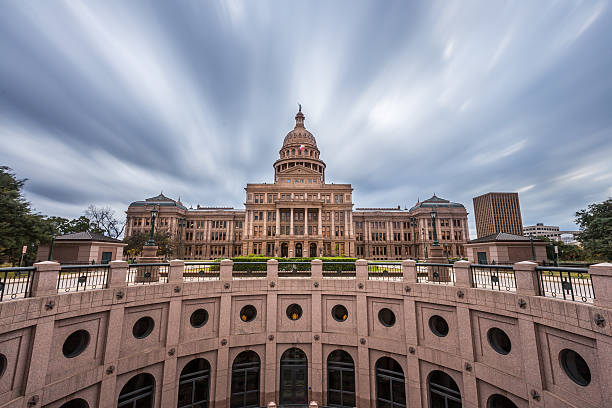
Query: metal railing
point(147, 273)
point(249, 270)
point(201, 271)
point(339, 270)
point(82, 277)
point(494, 277)
point(294, 269)
point(385, 271)
point(443, 274)
point(566, 283)
point(16, 283)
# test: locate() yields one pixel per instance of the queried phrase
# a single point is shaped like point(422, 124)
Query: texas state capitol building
point(300, 215)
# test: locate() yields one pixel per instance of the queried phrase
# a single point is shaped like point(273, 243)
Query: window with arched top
point(500, 401)
point(443, 391)
point(75, 403)
point(340, 379)
point(293, 377)
point(293, 152)
point(390, 384)
point(137, 392)
point(245, 380)
point(194, 384)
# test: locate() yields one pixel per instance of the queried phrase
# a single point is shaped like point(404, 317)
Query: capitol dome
point(299, 134)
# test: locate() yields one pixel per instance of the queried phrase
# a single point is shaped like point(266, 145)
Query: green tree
point(62, 226)
point(136, 241)
point(19, 225)
point(596, 225)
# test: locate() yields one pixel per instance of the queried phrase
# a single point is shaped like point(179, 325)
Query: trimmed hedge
point(329, 263)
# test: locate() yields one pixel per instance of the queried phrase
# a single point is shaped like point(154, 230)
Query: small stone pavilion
point(83, 248)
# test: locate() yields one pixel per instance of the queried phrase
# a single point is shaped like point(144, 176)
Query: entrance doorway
point(313, 250)
point(284, 250)
point(293, 378)
point(298, 250)
point(482, 258)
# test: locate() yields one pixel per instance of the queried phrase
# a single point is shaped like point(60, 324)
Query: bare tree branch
point(104, 218)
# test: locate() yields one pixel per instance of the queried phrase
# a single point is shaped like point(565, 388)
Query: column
point(320, 220)
point(306, 221)
point(265, 234)
point(333, 232)
point(291, 222)
point(278, 222)
point(526, 278)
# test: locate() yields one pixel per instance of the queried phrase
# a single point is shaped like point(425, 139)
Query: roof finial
point(300, 105)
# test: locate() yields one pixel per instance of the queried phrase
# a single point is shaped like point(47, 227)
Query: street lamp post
point(413, 224)
point(434, 214)
point(181, 224)
point(151, 241)
point(424, 244)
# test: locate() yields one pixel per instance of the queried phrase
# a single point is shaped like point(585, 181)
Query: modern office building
point(540, 230)
point(497, 212)
point(299, 214)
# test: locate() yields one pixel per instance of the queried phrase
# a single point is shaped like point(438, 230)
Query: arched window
point(75, 403)
point(293, 377)
point(390, 386)
point(443, 391)
point(340, 379)
point(293, 152)
point(499, 401)
point(194, 384)
point(138, 392)
point(245, 380)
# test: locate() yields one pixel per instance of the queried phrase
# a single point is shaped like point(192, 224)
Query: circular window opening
point(248, 313)
point(499, 340)
point(143, 327)
point(438, 325)
point(575, 367)
point(75, 344)
point(386, 317)
point(294, 312)
point(339, 313)
point(199, 318)
point(3, 364)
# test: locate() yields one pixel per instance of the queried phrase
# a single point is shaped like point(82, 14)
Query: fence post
point(361, 270)
point(601, 276)
point(176, 270)
point(225, 270)
point(526, 278)
point(117, 274)
point(316, 269)
point(463, 274)
point(44, 281)
point(272, 269)
point(409, 271)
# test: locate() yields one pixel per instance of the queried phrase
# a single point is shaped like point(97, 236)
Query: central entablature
point(299, 157)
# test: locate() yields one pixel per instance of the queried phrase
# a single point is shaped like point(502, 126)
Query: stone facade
point(482, 344)
point(299, 214)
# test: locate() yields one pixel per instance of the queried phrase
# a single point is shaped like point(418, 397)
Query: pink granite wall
point(33, 331)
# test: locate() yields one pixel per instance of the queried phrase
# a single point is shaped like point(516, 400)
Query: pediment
point(299, 170)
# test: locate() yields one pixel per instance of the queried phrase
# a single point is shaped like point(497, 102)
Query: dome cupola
point(299, 156)
point(299, 135)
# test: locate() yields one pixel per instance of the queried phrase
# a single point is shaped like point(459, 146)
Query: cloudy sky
point(108, 102)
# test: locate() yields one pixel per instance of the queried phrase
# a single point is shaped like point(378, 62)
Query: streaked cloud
point(110, 102)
